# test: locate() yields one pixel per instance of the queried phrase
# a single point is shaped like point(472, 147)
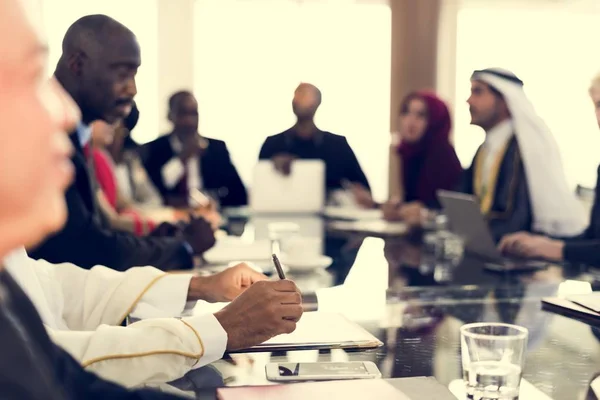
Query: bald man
point(306, 141)
point(97, 67)
point(183, 160)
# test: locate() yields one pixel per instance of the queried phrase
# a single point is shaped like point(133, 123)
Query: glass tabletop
point(417, 311)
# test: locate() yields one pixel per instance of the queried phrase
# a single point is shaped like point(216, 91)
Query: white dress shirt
point(495, 142)
point(82, 309)
point(173, 170)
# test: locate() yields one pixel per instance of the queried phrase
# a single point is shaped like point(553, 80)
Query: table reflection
point(416, 312)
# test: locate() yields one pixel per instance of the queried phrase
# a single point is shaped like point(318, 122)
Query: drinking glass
point(493, 357)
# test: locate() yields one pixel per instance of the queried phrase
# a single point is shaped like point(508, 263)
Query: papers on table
point(373, 227)
point(321, 330)
point(526, 390)
point(352, 213)
point(231, 248)
point(336, 390)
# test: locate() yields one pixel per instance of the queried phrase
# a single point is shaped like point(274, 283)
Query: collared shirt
point(495, 142)
point(84, 133)
point(174, 169)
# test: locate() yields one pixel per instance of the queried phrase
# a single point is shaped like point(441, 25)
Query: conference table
point(417, 310)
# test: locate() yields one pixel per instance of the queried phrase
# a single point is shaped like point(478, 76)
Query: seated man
point(32, 204)
point(184, 160)
point(83, 310)
point(581, 249)
point(97, 68)
point(517, 174)
point(307, 142)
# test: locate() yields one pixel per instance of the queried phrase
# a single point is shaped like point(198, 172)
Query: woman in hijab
point(424, 161)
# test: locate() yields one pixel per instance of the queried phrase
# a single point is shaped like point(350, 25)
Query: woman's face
point(413, 121)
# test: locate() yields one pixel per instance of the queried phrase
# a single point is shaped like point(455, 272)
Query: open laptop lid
point(303, 191)
point(467, 221)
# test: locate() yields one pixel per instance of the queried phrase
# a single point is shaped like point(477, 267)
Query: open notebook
point(320, 330)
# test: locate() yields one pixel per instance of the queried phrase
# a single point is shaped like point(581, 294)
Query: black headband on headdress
point(499, 74)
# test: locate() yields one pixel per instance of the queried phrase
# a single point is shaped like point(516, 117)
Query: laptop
point(467, 221)
point(303, 191)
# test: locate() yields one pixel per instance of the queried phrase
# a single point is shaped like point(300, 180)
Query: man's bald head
point(183, 113)
point(92, 33)
point(307, 99)
point(98, 66)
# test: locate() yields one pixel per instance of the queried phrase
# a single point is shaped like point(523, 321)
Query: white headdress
point(556, 210)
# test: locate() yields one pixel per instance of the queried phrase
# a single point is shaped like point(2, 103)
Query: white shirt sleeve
point(172, 172)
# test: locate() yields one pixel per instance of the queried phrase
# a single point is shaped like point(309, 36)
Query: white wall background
point(245, 79)
point(551, 46)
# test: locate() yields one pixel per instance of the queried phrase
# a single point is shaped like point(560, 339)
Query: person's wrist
point(225, 322)
point(557, 250)
point(198, 288)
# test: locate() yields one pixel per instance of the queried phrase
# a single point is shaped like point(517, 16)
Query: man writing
point(32, 205)
point(97, 68)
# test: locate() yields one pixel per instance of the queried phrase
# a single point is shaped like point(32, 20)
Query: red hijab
point(431, 161)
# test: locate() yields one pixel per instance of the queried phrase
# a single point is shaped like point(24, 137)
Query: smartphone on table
point(321, 371)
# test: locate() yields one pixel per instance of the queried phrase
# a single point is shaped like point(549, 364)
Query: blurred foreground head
point(35, 114)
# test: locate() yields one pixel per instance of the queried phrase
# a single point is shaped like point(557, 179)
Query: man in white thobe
point(83, 309)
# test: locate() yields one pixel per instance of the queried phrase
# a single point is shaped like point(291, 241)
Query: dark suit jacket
point(218, 172)
point(511, 210)
point(340, 161)
point(86, 241)
point(585, 249)
point(34, 368)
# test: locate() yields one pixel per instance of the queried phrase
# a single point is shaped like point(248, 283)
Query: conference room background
point(243, 59)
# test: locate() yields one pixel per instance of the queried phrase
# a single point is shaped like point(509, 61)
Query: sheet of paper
point(526, 390)
point(591, 301)
point(352, 213)
point(335, 390)
point(373, 226)
point(322, 327)
point(236, 249)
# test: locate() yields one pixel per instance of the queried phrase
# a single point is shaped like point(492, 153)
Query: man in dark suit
point(307, 142)
point(97, 68)
point(184, 160)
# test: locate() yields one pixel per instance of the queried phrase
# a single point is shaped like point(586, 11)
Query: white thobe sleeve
point(149, 351)
point(155, 350)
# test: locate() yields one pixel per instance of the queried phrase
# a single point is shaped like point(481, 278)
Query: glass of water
point(493, 357)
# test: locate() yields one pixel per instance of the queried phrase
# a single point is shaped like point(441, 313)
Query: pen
point(278, 267)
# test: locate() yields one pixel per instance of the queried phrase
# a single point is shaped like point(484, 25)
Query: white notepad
point(321, 330)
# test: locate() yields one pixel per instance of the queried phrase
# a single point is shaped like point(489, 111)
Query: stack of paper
point(320, 330)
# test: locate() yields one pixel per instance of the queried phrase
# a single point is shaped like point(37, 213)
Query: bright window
point(138, 15)
point(250, 56)
point(552, 49)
